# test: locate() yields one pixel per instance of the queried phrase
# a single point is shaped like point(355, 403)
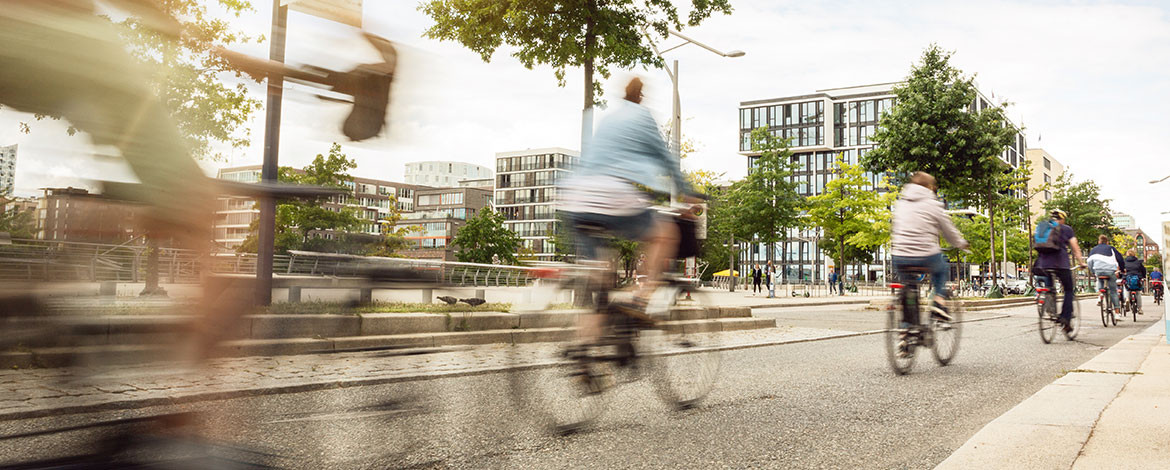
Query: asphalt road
point(823, 404)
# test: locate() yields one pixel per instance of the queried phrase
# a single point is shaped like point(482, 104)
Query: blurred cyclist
point(1105, 262)
point(1057, 261)
point(918, 221)
point(1156, 282)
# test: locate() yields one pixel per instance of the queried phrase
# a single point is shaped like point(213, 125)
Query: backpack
point(1133, 282)
point(1045, 238)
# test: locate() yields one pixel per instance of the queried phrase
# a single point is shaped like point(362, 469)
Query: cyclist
point(918, 221)
point(627, 150)
point(1135, 274)
point(1156, 282)
point(1058, 262)
point(1105, 262)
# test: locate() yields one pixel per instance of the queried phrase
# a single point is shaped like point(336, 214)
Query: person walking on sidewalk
point(1105, 262)
point(770, 279)
point(1135, 274)
point(833, 281)
point(1057, 260)
point(757, 277)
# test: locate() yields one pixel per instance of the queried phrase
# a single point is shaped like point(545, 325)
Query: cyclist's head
point(924, 179)
point(634, 90)
point(1130, 252)
point(1102, 239)
point(1059, 215)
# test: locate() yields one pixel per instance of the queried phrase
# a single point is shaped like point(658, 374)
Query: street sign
point(342, 11)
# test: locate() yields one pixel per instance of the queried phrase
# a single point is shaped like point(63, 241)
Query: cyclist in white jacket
point(1105, 262)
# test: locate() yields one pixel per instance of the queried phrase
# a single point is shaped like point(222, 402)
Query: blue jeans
point(1110, 287)
point(936, 264)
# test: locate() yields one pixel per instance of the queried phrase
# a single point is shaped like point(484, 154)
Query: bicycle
point(1105, 302)
point(1131, 303)
point(1156, 286)
point(1048, 309)
point(904, 333)
point(567, 385)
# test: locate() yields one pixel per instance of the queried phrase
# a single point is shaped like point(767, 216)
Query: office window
point(790, 114)
point(1047, 164)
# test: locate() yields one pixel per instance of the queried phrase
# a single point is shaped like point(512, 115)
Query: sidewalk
point(741, 298)
point(1111, 412)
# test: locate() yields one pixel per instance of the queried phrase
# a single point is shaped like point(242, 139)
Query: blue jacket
point(629, 145)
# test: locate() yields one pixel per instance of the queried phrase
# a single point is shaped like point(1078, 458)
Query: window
point(745, 119)
point(1047, 164)
point(790, 114)
point(775, 114)
point(1047, 179)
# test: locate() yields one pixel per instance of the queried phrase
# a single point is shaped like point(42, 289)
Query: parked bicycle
point(1049, 308)
point(905, 333)
point(565, 385)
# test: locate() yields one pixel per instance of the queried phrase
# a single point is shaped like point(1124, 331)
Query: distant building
point(444, 174)
point(439, 214)
point(18, 204)
point(526, 194)
point(372, 200)
point(485, 183)
point(1146, 245)
point(1045, 170)
point(1124, 221)
point(76, 215)
point(7, 169)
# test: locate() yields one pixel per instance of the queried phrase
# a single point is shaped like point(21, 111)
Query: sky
point(1088, 80)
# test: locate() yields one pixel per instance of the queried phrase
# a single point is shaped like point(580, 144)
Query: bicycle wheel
point(683, 358)
point(946, 334)
point(1047, 320)
point(1105, 312)
point(1076, 320)
point(1135, 307)
point(900, 360)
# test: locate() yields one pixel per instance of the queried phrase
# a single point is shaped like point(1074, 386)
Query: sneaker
point(904, 349)
point(1066, 325)
point(940, 313)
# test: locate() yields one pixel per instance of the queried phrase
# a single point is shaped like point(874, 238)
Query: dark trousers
point(1066, 282)
point(756, 285)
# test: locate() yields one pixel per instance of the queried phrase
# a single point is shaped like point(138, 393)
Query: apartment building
point(439, 214)
point(372, 200)
point(526, 194)
point(1046, 169)
point(444, 174)
point(76, 215)
point(822, 126)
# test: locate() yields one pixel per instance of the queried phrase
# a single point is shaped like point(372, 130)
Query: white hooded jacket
point(918, 220)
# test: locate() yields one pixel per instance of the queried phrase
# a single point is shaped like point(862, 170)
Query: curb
point(318, 386)
point(811, 304)
point(1050, 428)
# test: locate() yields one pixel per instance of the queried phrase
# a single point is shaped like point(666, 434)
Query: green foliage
point(1124, 242)
point(627, 252)
point(484, 239)
point(1088, 212)
point(720, 225)
point(564, 33)
point(19, 224)
point(300, 223)
point(976, 231)
point(933, 128)
point(765, 203)
point(1154, 261)
point(854, 220)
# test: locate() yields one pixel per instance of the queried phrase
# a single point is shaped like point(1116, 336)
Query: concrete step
point(137, 353)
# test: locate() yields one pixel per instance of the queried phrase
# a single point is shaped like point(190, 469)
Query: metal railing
point(52, 261)
point(805, 288)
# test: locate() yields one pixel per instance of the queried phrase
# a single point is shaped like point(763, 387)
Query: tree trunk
point(731, 263)
point(152, 275)
point(991, 226)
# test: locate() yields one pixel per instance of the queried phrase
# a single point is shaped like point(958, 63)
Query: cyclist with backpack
point(1053, 241)
point(1156, 284)
point(1135, 274)
point(1106, 262)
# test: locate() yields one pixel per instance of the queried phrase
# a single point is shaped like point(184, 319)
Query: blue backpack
point(1045, 238)
point(1133, 282)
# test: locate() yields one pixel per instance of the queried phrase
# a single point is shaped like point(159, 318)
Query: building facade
point(526, 194)
point(823, 126)
point(371, 199)
point(444, 174)
point(1123, 221)
point(7, 169)
point(1146, 245)
point(76, 215)
point(438, 215)
point(1046, 169)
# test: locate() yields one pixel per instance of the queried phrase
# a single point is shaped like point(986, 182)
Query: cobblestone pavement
point(35, 392)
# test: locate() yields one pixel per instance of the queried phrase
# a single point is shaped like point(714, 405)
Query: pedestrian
point(757, 278)
point(833, 282)
point(770, 279)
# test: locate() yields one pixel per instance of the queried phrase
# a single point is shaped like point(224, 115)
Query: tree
point(1124, 242)
point(850, 216)
point(1154, 261)
point(716, 250)
point(765, 203)
point(18, 223)
point(186, 74)
point(935, 127)
point(484, 239)
point(1088, 213)
point(300, 223)
point(593, 34)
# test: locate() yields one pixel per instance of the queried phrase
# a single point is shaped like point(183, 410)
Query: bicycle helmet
point(1057, 213)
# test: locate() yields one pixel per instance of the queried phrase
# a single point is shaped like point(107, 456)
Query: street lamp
point(1164, 178)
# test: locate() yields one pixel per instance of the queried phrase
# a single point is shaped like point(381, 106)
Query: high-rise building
point(822, 126)
point(1045, 170)
point(444, 174)
point(438, 215)
point(7, 169)
point(1123, 221)
point(370, 198)
point(526, 194)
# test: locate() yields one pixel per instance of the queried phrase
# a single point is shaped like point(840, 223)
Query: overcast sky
point(1090, 81)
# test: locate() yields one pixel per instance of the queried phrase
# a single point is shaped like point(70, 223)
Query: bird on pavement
point(448, 299)
point(474, 302)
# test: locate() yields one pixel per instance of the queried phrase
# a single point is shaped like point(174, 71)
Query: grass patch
point(348, 308)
